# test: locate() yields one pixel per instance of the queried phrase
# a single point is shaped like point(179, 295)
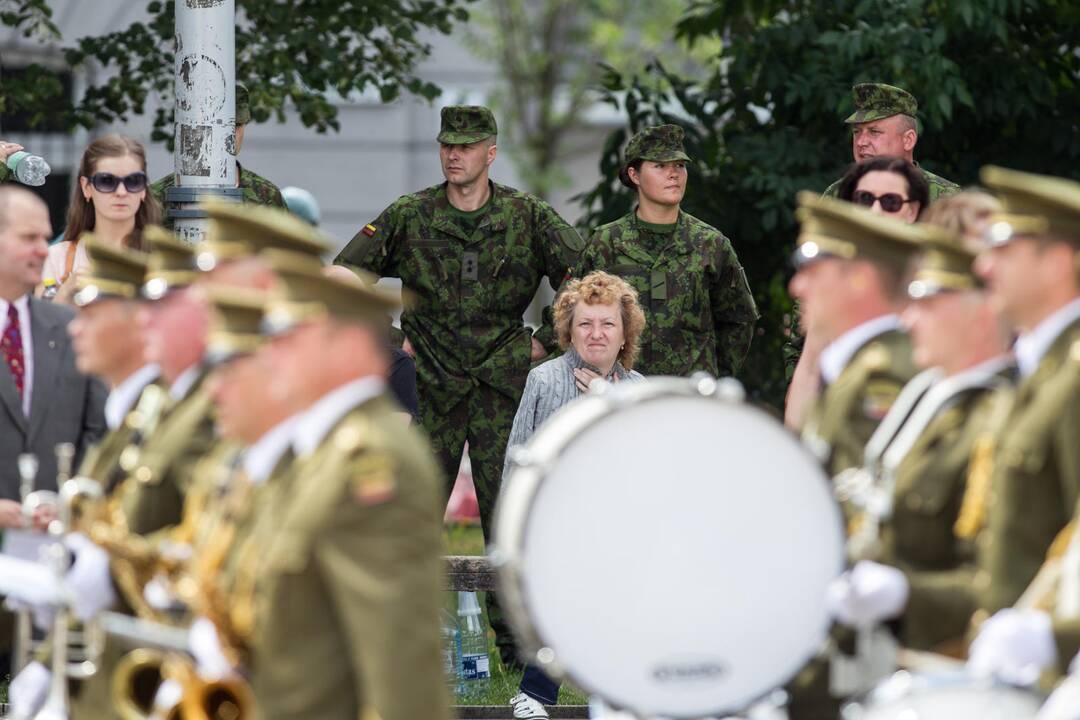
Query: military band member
point(849, 279)
point(922, 567)
point(473, 253)
point(698, 308)
point(347, 576)
point(1031, 268)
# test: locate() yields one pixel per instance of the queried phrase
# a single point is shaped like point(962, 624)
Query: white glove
point(206, 649)
point(1064, 702)
point(88, 580)
point(1014, 646)
point(28, 690)
point(867, 594)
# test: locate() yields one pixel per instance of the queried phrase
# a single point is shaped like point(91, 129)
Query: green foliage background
point(998, 82)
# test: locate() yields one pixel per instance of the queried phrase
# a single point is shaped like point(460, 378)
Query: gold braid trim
point(973, 508)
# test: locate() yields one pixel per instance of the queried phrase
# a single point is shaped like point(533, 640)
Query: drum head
point(666, 551)
point(942, 696)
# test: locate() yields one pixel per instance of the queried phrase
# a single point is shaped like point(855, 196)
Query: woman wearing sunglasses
point(110, 199)
point(888, 186)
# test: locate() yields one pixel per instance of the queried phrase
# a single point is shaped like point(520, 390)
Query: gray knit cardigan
point(549, 386)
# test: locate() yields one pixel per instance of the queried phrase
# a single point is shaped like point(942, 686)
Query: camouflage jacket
point(939, 186)
point(257, 189)
point(699, 313)
point(470, 288)
point(6, 174)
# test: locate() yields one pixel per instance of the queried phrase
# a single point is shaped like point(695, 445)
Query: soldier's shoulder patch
point(570, 238)
point(374, 478)
point(368, 230)
point(879, 398)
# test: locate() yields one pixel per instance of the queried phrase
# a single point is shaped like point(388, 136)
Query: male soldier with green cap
point(473, 253)
point(884, 124)
point(348, 560)
point(1032, 268)
point(916, 560)
point(698, 307)
point(849, 277)
point(256, 188)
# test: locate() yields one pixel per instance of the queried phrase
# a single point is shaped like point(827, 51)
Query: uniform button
point(144, 474)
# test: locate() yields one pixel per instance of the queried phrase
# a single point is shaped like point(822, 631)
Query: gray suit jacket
point(66, 406)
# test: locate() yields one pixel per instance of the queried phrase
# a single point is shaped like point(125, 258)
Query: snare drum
point(667, 548)
point(942, 696)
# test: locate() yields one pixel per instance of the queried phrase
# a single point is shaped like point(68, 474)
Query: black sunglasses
point(890, 202)
point(107, 182)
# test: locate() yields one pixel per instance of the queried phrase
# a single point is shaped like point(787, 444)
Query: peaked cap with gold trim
point(243, 230)
point(113, 272)
point(835, 228)
point(171, 263)
point(235, 322)
point(946, 264)
point(307, 294)
point(1033, 205)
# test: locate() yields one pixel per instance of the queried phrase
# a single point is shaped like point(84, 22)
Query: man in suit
point(44, 399)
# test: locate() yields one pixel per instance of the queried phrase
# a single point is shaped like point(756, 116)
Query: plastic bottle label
point(475, 667)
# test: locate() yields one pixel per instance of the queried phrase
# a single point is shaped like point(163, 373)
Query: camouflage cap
point(307, 294)
point(875, 101)
point(243, 230)
point(171, 263)
point(464, 124)
point(235, 323)
point(658, 143)
point(113, 272)
point(835, 228)
point(1033, 205)
point(243, 104)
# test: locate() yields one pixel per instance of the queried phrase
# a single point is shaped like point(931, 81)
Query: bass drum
point(666, 548)
point(942, 696)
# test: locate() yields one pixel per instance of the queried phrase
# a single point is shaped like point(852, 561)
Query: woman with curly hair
point(599, 322)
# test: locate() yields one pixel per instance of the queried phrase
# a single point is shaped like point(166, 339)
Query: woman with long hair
point(110, 199)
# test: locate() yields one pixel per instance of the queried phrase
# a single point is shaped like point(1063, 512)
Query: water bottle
point(475, 668)
point(451, 648)
point(29, 169)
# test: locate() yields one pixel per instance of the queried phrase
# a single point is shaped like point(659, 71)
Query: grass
point(503, 685)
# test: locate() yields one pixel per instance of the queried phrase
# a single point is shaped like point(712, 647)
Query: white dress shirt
point(183, 384)
point(1031, 346)
point(837, 354)
point(314, 423)
point(263, 455)
point(124, 396)
point(22, 307)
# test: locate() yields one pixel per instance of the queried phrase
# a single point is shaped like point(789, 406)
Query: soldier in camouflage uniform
point(884, 124)
point(1030, 498)
point(850, 267)
point(257, 189)
point(698, 307)
point(472, 252)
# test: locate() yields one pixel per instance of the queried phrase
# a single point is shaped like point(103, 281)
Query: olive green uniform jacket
point(348, 578)
point(1035, 479)
point(845, 414)
point(699, 312)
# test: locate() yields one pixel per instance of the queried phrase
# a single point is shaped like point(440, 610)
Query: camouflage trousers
point(484, 419)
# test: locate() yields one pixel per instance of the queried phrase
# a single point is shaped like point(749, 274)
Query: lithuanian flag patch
point(368, 230)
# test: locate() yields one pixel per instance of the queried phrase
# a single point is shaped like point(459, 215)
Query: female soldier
point(698, 308)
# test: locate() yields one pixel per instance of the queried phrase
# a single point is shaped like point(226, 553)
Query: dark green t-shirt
point(655, 236)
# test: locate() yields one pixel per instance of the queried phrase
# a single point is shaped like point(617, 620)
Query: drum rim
point(921, 682)
point(516, 496)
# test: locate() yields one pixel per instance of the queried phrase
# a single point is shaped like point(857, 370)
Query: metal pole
point(205, 140)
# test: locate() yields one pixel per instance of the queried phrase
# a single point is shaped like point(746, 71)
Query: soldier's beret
point(306, 294)
point(1033, 205)
point(113, 272)
point(171, 263)
point(464, 124)
point(243, 105)
point(235, 323)
point(243, 230)
point(874, 101)
point(834, 228)
point(658, 143)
